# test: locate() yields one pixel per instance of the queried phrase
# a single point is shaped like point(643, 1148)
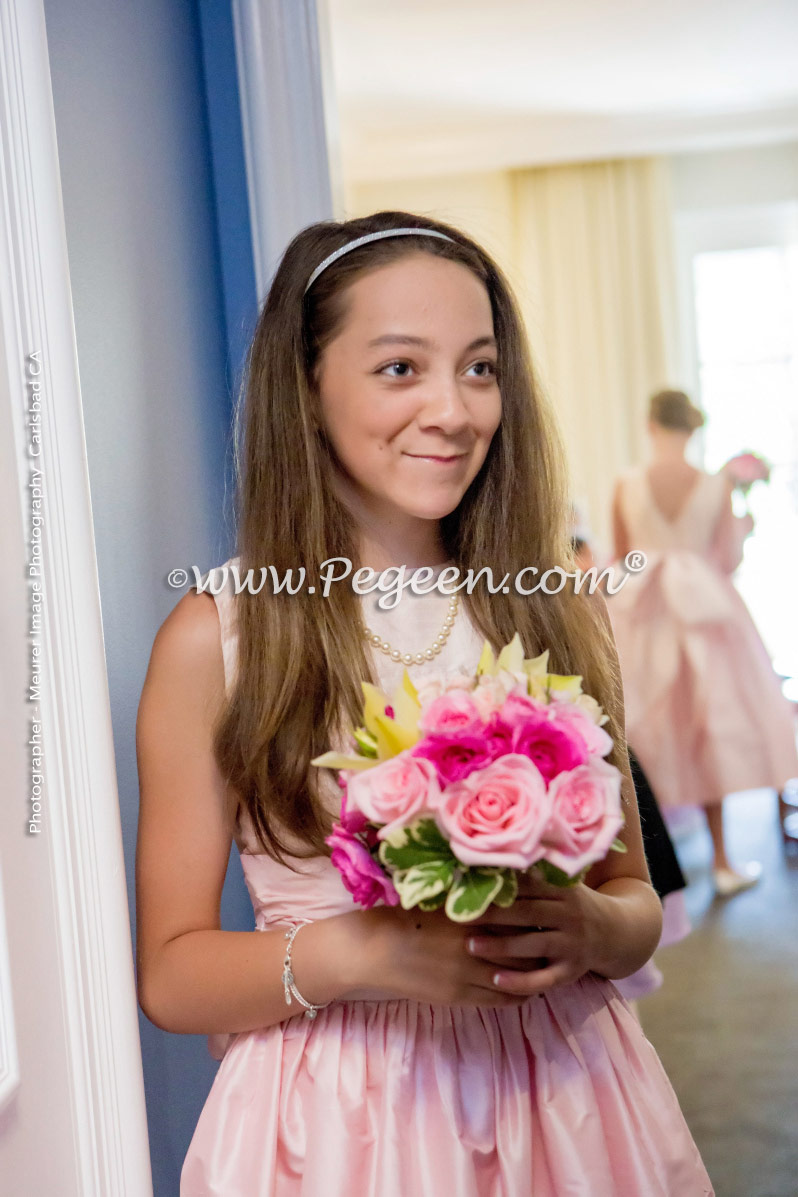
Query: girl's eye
point(487, 368)
point(404, 367)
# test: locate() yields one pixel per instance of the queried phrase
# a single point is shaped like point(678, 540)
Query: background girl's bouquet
point(745, 469)
point(455, 788)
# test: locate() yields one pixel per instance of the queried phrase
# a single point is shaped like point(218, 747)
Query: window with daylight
point(746, 312)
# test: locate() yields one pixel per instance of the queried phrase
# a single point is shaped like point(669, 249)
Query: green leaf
point(418, 844)
point(433, 903)
point(472, 893)
point(555, 876)
point(509, 890)
point(618, 846)
point(423, 882)
point(365, 742)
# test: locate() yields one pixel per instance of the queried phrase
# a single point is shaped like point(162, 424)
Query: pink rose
point(454, 757)
point(553, 746)
point(598, 742)
point(489, 695)
point(396, 791)
point(747, 468)
point(518, 707)
point(360, 873)
point(586, 816)
point(496, 816)
point(429, 687)
point(459, 681)
point(454, 713)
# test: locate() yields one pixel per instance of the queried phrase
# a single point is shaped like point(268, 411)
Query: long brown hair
point(301, 658)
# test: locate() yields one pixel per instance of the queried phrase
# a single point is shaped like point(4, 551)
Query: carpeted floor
point(725, 1022)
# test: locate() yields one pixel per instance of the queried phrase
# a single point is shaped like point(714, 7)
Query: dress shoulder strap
point(219, 581)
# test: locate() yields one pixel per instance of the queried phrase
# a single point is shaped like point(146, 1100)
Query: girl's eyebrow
point(423, 343)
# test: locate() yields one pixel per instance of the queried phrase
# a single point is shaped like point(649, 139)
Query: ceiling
point(447, 86)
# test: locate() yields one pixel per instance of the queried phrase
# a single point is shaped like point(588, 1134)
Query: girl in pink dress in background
point(391, 418)
point(704, 710)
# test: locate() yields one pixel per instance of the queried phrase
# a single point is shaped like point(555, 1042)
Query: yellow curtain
point(588, 249)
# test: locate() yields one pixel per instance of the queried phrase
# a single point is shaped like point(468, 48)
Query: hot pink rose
point(498, 736)
point(396, 791)
point(360, 873)
point(496, 816)
point(454, 757)
point(554, 747)
point(351, 818)
point(453, 713)
point(598, 742)
point(586, 816)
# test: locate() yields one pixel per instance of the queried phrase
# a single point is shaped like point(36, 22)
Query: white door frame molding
point(9, 1058)
point(286, 113)
point(81, 832)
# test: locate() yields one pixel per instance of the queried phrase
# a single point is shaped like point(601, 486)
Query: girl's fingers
point(500, 948)
point(525, 912)
point(538, 981)
point(536, 887)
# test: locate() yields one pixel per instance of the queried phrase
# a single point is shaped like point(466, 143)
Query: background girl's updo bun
point(673, 409)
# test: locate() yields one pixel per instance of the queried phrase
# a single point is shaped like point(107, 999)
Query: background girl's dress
point(704, 709)
point(397, 1098)
point(667, 879)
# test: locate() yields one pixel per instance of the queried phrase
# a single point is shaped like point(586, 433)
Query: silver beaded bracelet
point(290, 988)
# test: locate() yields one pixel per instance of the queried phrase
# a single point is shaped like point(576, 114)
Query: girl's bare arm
point(193, 977)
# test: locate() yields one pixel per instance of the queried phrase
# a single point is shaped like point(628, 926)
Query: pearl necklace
point(428, 654)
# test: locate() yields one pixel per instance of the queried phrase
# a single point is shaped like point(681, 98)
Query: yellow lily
point(486, 663)
point(341, 760)
point(393, 734)
point(571, 684)
point(511, 656)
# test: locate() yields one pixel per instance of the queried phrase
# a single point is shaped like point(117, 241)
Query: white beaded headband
point(371, 237)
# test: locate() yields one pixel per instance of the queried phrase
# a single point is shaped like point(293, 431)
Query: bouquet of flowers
point(745, 469)
point(457, 787)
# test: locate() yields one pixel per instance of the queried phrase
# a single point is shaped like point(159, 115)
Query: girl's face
point(409, 395)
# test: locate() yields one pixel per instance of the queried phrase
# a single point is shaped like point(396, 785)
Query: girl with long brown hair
point(390, 417)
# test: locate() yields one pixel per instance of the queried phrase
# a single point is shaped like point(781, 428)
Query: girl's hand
point(421, 956)
point(550, 936)
point(746, 524)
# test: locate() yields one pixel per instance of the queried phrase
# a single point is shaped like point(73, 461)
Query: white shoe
point(728, 882)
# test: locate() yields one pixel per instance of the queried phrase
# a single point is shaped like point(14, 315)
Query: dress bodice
point(692, 529)
point(315, 889)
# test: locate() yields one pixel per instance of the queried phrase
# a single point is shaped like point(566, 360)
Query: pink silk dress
point(386, 1097)
point(704, 709)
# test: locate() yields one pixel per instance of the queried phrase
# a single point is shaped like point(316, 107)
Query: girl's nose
point(443, 405)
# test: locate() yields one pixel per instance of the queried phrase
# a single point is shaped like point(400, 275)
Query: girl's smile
point(411, 433)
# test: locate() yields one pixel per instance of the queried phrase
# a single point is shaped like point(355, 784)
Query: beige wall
point(587, 250)
point(479, 204)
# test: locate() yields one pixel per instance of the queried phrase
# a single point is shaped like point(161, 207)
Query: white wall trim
point(281, 88)
point(94, 971)
point(9, 1059)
